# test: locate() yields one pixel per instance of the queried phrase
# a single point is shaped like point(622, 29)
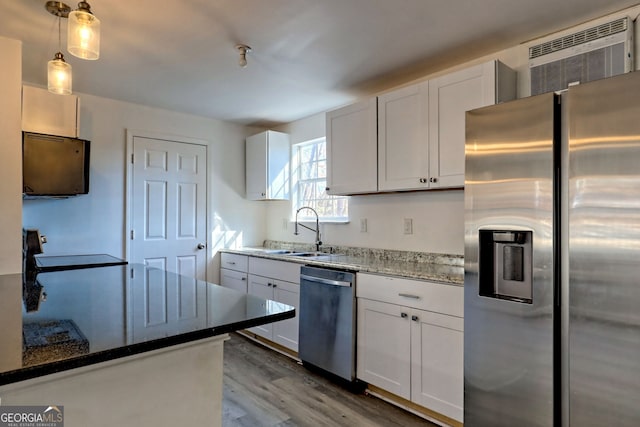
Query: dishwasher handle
point(325, 281)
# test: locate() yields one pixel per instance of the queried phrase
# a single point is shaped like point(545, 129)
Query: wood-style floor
point(263, 388)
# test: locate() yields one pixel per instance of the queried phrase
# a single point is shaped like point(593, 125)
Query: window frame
point(306, 215)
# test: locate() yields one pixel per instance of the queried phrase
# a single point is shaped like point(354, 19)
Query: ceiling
point(308, 55)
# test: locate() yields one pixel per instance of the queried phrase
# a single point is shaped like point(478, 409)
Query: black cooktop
point(71, 262)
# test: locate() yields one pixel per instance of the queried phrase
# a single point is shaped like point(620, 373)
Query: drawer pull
point(409, 296)
point(231, 262)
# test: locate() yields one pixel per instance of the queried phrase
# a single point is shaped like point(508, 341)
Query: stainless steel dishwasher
point(327, 320)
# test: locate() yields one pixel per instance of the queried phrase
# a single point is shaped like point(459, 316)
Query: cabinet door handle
point(275, 286)
point(409, 296)
point(423, 180)
point(404, 315)
point(415, 318)
point(244, 278)
point(268, 284)
point(326, 189)
point(433, 180)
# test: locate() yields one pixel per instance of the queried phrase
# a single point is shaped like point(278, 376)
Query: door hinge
point(132, 234)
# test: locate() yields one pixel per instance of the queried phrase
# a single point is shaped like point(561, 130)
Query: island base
point(177, 385)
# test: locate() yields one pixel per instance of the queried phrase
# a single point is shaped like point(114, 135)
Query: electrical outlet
point(363, 225)
point(408, 226)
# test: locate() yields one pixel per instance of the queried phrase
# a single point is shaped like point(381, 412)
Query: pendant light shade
point(59, 75)
point(83, 33)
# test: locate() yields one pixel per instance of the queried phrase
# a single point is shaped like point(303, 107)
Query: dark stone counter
point(69, 319)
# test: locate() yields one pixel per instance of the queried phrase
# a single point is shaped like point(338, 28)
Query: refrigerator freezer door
point(509, 184)
point(604, 258)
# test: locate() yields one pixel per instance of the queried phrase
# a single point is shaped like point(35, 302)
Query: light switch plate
point(408, 226)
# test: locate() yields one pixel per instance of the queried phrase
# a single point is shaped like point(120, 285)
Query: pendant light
point(59, 78)
point(83, 33)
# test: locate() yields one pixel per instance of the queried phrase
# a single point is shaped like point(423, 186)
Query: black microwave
point(54, 166)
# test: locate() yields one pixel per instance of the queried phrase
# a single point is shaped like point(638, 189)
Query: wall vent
point(598, 52)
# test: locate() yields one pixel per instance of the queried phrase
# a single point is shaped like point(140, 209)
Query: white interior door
point(168, 205)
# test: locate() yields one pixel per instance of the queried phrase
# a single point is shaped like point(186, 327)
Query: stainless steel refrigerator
point(552, 259)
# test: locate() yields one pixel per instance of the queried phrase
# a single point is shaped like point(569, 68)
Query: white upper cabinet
point(450, 97)
point(268, 156)
point(352, 149)
point(420, 132)
point(48, 113)
point(403, 139)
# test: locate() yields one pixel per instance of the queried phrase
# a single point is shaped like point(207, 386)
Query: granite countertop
point(68, 319)
point(440, 268)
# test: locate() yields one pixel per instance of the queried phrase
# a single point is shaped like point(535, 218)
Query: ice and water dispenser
point(505, 270)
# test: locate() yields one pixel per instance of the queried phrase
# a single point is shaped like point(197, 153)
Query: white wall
point(438, 216)
point(95, 223)
point(10, 156)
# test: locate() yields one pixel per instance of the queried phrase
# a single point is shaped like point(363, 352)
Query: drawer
point(423, 295)
point(281, 270)
point(234, 262)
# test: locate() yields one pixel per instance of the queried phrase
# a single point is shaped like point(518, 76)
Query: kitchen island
point(121, 345)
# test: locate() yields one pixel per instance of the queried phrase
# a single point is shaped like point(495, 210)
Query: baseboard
point(414, 408)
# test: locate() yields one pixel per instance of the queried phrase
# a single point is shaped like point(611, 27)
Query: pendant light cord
point(59, 37)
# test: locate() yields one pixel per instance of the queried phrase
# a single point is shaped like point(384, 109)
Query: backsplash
point(381, 254)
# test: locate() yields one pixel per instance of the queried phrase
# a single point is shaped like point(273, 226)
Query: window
point(310, 183)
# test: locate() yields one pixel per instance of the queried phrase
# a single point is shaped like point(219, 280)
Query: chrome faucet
point(317, 230)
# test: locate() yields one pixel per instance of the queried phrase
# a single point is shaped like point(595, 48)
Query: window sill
point(322, 221)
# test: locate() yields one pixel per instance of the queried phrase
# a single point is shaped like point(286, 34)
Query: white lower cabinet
point(261, 283)
point(384, 346)
point(236, 280)
point(233, 271)
point(437, 371)
point(411, 352)
point(262, 288)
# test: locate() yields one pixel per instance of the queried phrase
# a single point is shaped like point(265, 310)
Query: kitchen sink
point(316, 255)
point(279, 251)
point(298, 254)
point(307, 254)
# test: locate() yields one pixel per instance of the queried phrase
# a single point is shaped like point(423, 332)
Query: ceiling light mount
point(58, 8)
point(243, 49)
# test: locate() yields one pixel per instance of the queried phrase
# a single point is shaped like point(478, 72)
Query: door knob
point(201, 246)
